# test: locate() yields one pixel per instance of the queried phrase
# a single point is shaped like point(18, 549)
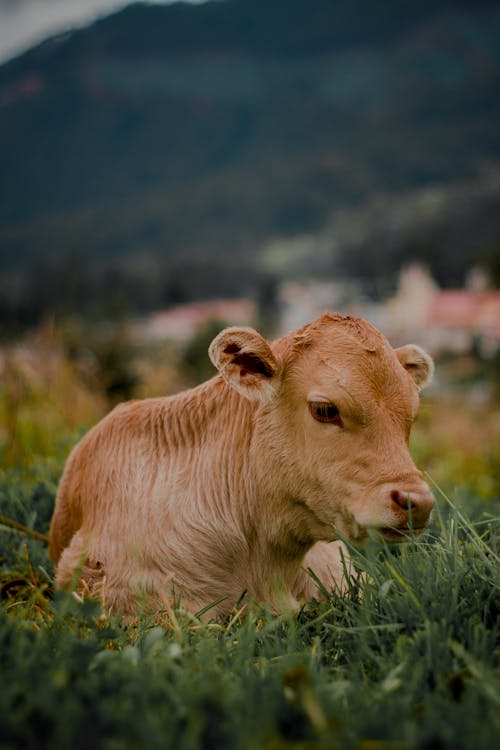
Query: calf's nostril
point(420, 502)
point(403, 499)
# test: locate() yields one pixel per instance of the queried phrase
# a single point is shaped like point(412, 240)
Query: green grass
point(407, 659)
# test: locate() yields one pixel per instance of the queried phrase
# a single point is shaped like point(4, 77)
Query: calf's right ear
point(246, 362)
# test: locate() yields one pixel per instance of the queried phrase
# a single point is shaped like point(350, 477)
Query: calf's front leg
point(331, 564)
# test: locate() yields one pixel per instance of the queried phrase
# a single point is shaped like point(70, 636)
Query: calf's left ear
point(246, 362)
point(417, 363)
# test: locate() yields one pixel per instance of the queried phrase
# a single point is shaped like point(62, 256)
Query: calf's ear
point(246, 362)
point(417, 363)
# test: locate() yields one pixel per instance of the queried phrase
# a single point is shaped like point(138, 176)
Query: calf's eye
point(325, 411)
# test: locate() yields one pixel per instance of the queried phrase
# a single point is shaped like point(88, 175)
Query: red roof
point(458, 308)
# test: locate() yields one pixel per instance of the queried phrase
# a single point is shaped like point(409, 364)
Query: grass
point(407, 659)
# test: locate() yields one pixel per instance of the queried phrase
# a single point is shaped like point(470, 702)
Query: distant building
point(408, 311)
point(454, 320)
point(301, 302)
point(180, 323)
point(460, 320)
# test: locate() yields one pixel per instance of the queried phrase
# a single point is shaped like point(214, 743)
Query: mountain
point(149, 155)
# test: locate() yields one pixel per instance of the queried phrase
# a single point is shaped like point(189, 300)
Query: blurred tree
point(195, 358)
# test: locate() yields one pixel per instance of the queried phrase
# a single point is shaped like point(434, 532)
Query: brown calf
point(245, 481)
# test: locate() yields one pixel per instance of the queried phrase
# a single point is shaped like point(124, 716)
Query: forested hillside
point(146, 158)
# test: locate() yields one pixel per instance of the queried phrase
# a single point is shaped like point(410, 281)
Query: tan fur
point(233, 486)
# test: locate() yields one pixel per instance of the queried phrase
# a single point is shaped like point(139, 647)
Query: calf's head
point(338, 403)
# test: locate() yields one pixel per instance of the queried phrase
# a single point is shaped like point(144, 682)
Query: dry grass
point(458, 443)
point(52, 388)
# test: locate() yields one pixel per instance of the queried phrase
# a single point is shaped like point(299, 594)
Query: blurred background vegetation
point(149, 158)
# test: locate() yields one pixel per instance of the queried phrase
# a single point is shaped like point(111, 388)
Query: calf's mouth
point(398, 534)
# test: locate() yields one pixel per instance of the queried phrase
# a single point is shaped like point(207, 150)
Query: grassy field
point(407, 659)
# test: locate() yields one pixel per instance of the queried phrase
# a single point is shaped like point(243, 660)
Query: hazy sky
point(26, 22)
